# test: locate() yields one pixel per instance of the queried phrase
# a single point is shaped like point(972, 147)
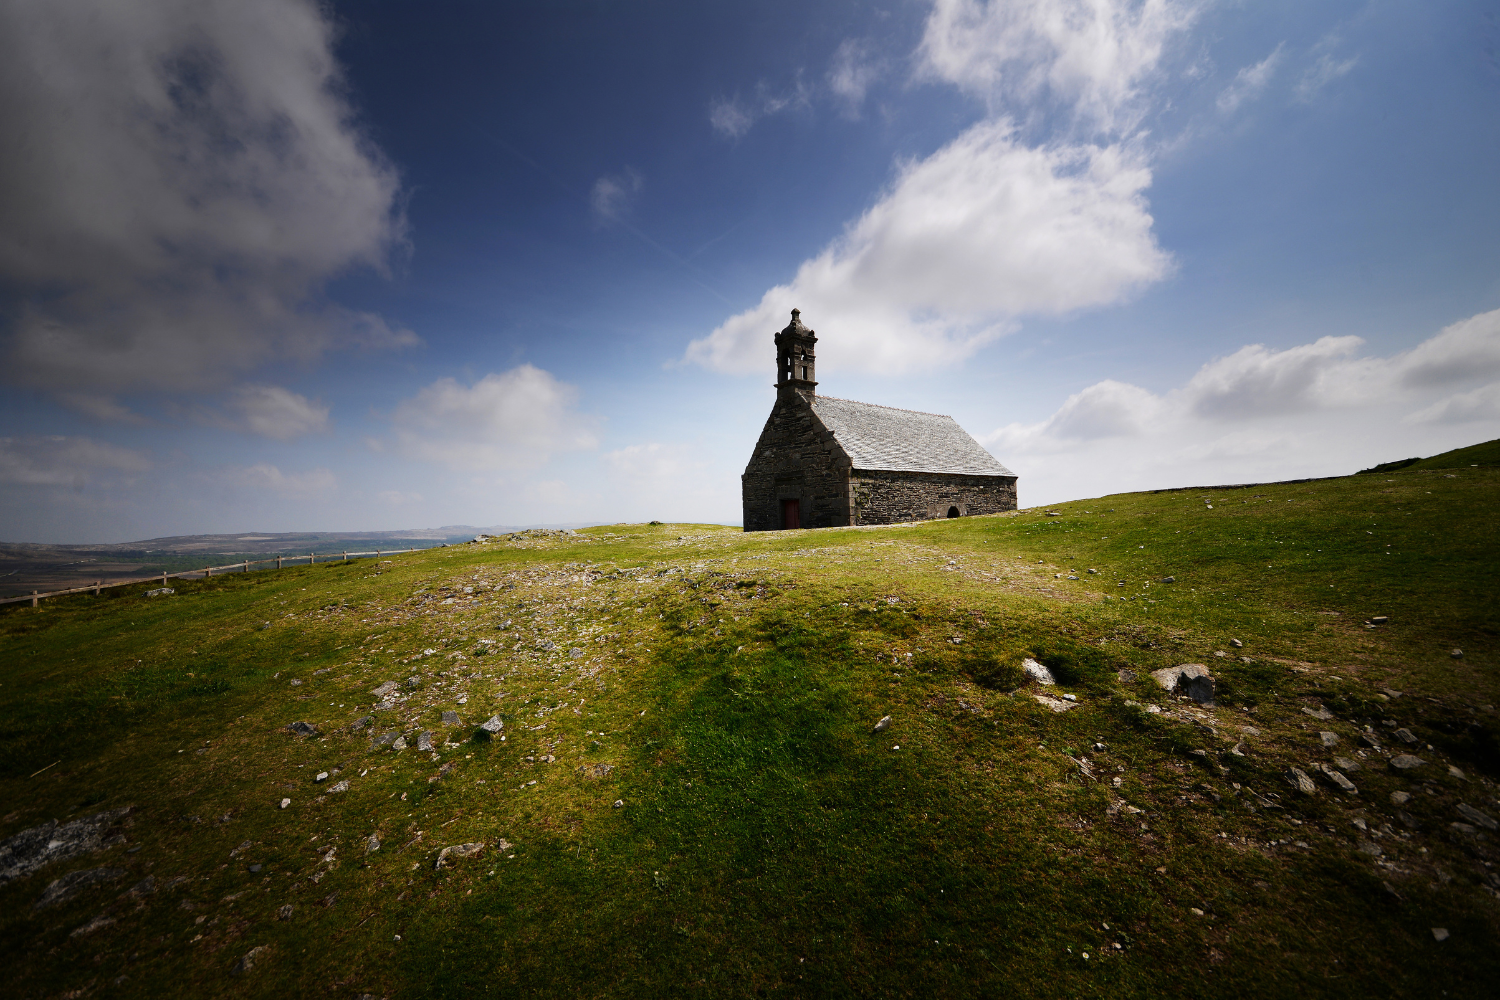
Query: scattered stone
point(342, 786)
point(1463, 827)
point(399, 744)
point(491, 726)
point(619, 803)
point(1345, 764)
point(1457, 654)
point(247, 960)
point(883, 724)
point(424, 742)
point(1369, 740)
point(1070, 697)
point(1454, 772)
point(1400, 798)
point(1320, 713)
point(1329, 739)
point(69, 885)
point(414, 681)
point(1408, 819)
point(1406, 736)
point(296, 682)
point(255, 869)
point(1190, 679)
point(285, 803)
point(1440, 933)
point(320, 777)
point(1379, 620)
point(303, 729)
point(1036, 671)
point(388, 688)
point(1056, 704)
point(1236, 644)
point(359, 724)
point(1369, 847)
point(575, 652)
point(373, 844)
point(161, 592)
point(451, 719)
point(1473, 815)
point(458, 851)
point(1299, 780)
point(1126, 676)
point(1338, 779)
point(1165, 579)
point(1405, 762)
point(27, 851)
point(386, 740)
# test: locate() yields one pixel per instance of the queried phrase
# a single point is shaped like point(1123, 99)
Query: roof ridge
point(899, 409)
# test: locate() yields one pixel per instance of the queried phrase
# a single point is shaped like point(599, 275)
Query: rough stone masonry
point(823, 461)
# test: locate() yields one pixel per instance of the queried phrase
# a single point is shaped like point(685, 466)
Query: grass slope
point(722, 688)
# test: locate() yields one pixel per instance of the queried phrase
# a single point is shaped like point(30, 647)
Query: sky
point(273, 265)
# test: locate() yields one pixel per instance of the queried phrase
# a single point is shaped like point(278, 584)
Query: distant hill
point(1486, 455)
point(28, 566)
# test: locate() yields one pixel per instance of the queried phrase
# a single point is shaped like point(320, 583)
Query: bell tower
point(796, 362)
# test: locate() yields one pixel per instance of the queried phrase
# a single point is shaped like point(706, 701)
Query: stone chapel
point(822, 461)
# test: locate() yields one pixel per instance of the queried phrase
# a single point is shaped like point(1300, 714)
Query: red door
point(791, 514)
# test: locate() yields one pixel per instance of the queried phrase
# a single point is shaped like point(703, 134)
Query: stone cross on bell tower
point(796, 363)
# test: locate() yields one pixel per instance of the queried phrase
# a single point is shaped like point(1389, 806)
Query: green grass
point(767, 841)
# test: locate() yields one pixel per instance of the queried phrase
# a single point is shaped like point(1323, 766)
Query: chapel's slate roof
point(883, 438)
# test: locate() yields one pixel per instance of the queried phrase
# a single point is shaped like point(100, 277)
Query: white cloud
point(1256, 380)
point(612, 195)
point(990, 229)
point(1323, 72)
point(181, 180)
point(278, 413)
point(55, 460)
point(854, 69)
point(506, 420)
point(983, 231)
point(1482, 404)
point(1249, 82)
point(1260, 414)
point(1092, 57)
point(734, 116)
point(264, 476)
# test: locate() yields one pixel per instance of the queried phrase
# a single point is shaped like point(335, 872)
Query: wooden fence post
point(208, 571)
point(96, 587)
point(247, 566)
point(312, 557)
point(278, 562)
point(163, 578)
point(346, 556)
point(33, 598)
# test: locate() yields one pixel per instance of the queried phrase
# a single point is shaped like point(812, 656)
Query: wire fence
point(243, 566)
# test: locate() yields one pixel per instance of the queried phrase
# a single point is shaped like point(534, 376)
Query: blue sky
point(274, 266)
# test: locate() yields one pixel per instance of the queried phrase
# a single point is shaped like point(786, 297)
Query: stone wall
point(891, 497)
point(795, 458)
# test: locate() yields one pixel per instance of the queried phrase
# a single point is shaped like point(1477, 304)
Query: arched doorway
point(953, 512)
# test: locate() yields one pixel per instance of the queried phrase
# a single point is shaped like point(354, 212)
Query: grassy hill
point(690, 797)
point(1486, 455)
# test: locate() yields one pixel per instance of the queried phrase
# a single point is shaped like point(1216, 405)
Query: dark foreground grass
point(724, 691)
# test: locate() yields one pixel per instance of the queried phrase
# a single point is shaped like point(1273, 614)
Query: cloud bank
point(1248, 414)
point(181, 180)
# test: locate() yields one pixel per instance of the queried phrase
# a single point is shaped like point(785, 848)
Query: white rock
point(285, 803)
point(883, 724)
point(1036, 671)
